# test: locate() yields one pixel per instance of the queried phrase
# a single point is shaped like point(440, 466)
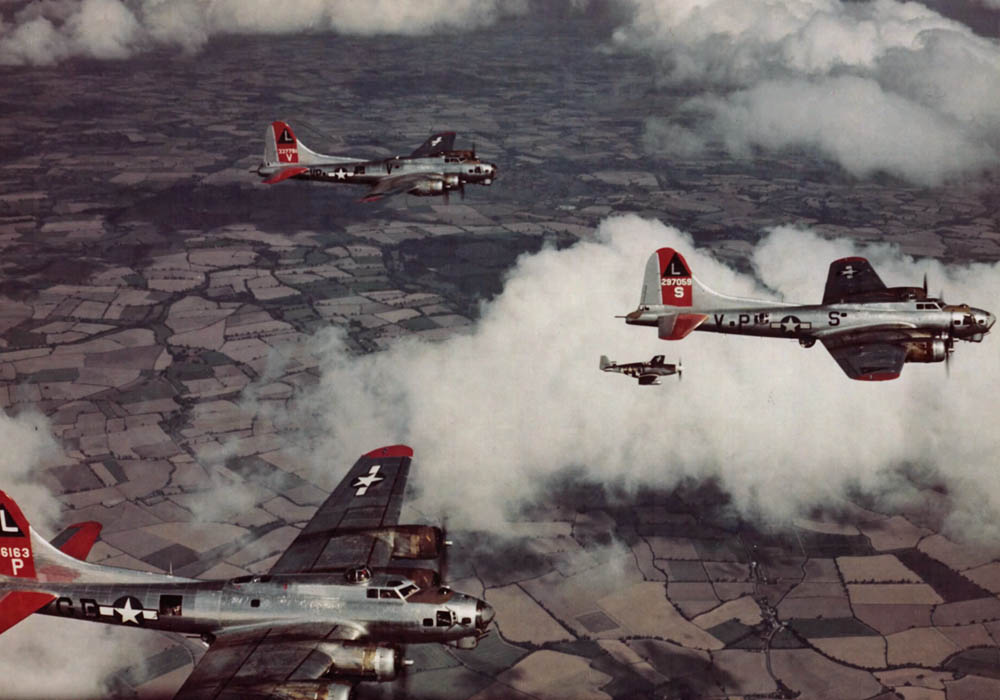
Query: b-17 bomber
point(870, 329)
point(332, 611)
point(647, 373)
point(433, 169)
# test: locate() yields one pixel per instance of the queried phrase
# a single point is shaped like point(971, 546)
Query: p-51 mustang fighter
point(330, 613)
point(646, 372)
point(433, 169)
point(870, 329)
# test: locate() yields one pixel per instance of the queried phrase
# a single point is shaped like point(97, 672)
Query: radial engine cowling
point(311, 690)
point(935, 350)
point(365, 661)
point(428, 188)
point(417, 542)
point(451, 181)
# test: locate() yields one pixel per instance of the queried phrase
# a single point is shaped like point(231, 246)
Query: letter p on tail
point(15, 541)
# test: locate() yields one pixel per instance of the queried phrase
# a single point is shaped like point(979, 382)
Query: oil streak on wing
point(849, 277)
point(343, 532)
point(869, 361)
point(250, 663)
point(397, 184)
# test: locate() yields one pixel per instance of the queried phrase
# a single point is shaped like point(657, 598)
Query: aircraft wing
point(251, 663)
point(343, 532)
point(395, 184)
point(438, 143)
point(849, 277)
point(869, 361)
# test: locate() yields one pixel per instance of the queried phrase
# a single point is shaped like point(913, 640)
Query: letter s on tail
point(667, 280)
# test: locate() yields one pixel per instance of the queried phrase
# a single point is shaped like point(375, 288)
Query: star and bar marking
point(366, 481)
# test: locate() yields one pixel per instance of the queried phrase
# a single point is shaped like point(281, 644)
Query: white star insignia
point(128, 613)
point(362, 483)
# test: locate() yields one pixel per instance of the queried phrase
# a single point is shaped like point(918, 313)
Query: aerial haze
point(195, 359)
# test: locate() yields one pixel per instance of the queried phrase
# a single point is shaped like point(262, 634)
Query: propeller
point(680, 370)
point(925, 285)
point(445, 549)
point(461, 190)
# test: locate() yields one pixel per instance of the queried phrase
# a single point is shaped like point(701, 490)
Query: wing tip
point(390, 451)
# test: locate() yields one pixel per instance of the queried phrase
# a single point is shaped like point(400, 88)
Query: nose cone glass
point(484, 614)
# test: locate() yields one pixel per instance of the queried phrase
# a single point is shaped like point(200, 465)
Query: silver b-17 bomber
point(870, 329)
point(330, 613)
point(433, 169)
point(646, 372)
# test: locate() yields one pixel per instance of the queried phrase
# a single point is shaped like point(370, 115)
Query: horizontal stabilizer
point(677, 326)
point(17, 605)
point(284, 175)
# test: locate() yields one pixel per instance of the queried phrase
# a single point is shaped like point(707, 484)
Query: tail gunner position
point(870, 329)
point(434, 169)
point(330, 613)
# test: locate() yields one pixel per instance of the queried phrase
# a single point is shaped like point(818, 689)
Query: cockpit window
point(407, 590)
point(389, 593)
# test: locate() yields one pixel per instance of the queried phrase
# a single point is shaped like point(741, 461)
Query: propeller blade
point(461, 190)
point(446, 548)
point(447, 200)
point(925, 284)
point(680, 369)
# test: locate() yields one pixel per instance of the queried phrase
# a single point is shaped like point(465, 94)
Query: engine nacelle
point(465, 643)
point(310, 690)
point(367, 661)
point(416, 542)
point(934, 350)
point(451, 181)
point(428, 188)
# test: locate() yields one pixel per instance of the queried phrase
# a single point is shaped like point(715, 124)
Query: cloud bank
point(46, 32)
point(492, 413)
point(881, 86)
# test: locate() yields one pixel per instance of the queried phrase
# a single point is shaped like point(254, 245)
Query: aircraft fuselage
point(456, 166)
point(376, 612)
point(776, 320)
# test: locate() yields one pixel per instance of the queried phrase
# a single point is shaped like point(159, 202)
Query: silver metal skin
point(310, 628)
point(870, 330)
point(210, 608)
point(434, 169)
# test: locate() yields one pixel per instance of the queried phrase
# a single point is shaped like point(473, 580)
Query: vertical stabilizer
point(16, 558)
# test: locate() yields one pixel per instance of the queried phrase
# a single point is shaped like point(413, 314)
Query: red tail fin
point(674, 278)
point(16, 560)
point(285, 142)
point(15, 541)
